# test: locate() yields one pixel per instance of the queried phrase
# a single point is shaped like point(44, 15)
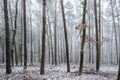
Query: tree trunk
point(25, 31)
point(97, 39)
point(7, 38)
point(55, 37)
point(83, 38)
point(11, 24)
point(113, 17)
point(118, 78)
point(31, 56)
point(21, 44)
point(90, 59)
point(43, 39)
point(16, 55)
point(2, 46)
point(3, 52)
point(99, 35)
point(66, 37)
point(38, 45)
point(51, 47)
point(14, 36)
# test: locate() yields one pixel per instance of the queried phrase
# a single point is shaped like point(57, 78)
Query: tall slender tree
point(49, 27)
point(114, 25)
point(43, 39)
point(3, 47)
point(12, 25)
point(97, 38)
point(7, 37)
point(14, 36)
point(21, 43)
point(25, 34)
point(83, 38)
point(31, 55)
point(55, 38)
point(66, 37)
point(118, 78)
point(89, 31)
point(99, 32)
point(39, 41)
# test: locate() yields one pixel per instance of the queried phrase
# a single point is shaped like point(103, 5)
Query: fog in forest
point(59, 40)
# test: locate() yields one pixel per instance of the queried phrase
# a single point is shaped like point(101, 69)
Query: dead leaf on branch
point(83, 26)
point(88, 38)
point(93, 40)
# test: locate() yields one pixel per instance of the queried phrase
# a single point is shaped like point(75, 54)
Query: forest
point(59, 40)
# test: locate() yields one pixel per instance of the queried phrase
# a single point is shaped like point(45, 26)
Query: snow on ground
point(109, 68)
point(59, 73)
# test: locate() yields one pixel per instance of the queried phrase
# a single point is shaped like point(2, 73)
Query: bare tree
point(90, 58)
point(55, 38)
point(21, 43)
point(51, 47)
point(31, 56)
point(114, 25)
point(118, 78)
point(43, 39)
point(99, 32)
point(66, 38)
point(83, 38)
point(97, 39)
point(25, 33)
point(7, 39)
point(11, 24)
point(13, 50)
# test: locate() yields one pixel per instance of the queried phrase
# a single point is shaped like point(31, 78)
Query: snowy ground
point(59, 73)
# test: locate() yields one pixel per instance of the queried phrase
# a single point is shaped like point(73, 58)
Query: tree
point(14, 36)
point(11, 24)
point(2, 46)
point(21, 36)
point(83, 38)
point(90, 58)
point(55, 38)
point(114, 25)
point(97, 39)
point(118, 78)
point(43, 39)
point(24, 24)
point(99, 32)
point(49, 27)
point(39, 41)
point(66, 38)
point(31, 56)
point(7, 39)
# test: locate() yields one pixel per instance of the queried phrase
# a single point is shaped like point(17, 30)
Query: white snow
point(57, 73)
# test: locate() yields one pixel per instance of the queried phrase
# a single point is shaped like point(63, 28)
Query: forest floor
point(59, 73)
